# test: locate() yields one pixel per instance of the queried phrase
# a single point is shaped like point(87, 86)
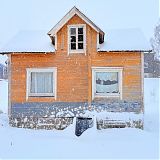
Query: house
point(3, 71)
point(76, 66)
point(151, 66)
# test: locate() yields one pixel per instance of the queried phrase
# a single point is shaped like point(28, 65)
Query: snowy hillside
point(124, 143)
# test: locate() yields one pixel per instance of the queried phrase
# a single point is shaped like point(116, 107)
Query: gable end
point(74, 11)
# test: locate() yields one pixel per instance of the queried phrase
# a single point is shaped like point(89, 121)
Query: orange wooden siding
point(74, 78)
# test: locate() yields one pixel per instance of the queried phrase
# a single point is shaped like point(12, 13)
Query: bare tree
point(155, 41)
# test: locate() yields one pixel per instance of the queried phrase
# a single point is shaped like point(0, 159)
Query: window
point(41, 82)
point(106, 82)
point(77, 39)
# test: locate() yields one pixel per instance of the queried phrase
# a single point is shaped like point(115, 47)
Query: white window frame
point(84, 40)
point(107, 69)
point(52, 70)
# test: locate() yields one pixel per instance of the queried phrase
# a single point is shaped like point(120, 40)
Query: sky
point(16, 15)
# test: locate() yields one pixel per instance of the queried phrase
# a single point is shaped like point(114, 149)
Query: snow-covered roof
point(125, 40)
point(29, 41)
point(115, 40)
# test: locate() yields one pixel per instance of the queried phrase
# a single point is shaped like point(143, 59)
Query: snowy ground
point(110, 143)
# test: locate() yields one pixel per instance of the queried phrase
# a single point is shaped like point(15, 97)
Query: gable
point(68, 16)
point(74, 11)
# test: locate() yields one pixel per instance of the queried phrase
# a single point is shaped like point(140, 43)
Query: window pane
point(107, 82)
point(73, 38)
point(41, 82)
point(73, 46)
point(33, 83)
point(80, 45)
point(80, 30)
point(80, 38)
point(73, 31)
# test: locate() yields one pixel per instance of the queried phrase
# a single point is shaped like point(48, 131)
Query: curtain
point(107, 82)
point(41, 82)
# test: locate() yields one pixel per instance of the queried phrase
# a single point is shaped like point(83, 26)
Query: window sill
point(77, 51)
point(97, 96)
point(41, 99)
point(41, 95)
point(109, 96)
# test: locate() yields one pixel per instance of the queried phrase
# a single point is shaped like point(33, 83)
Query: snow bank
point(4, 96)
point(42, 144)
point(152, 104)
point(3, 58)
point(127, 143)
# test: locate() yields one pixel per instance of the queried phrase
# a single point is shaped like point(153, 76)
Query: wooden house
point(75, 66)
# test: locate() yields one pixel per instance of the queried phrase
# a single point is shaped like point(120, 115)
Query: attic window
point(76, 43)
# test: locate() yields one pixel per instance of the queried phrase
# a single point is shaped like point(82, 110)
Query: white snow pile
point(122, 116)
point(65, 114)
point(3, 59)
point(126, 143)
point(3, 96)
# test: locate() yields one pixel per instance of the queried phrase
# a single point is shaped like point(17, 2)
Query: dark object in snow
point(82, 124)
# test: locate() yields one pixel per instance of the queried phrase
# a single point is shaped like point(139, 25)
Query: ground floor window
point(106, 82)
point(41, 82)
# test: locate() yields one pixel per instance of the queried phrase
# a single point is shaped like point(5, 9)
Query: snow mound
point(3, 96)
point(65, 114)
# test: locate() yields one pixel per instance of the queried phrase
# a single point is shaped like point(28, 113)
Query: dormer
point(76, 32)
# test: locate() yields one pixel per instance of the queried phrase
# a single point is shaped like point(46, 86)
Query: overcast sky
point(16, 15)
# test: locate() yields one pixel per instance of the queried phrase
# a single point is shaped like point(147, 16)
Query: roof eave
point(27, 52)
point(149, 51)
